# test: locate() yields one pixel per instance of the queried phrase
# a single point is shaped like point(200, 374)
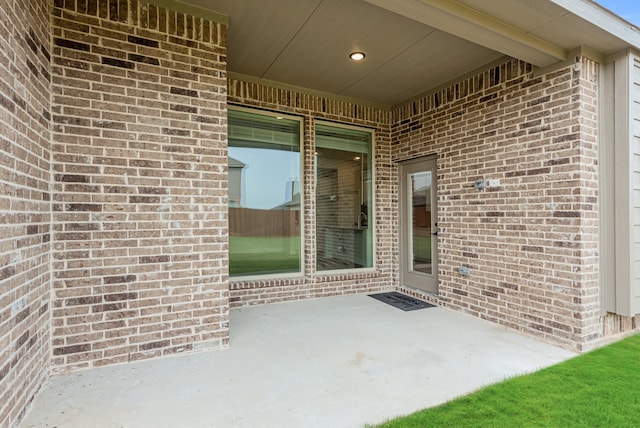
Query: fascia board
point(475, 26)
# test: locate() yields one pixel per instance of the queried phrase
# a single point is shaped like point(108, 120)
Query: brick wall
point(132, 174)
point(311, 284)
point(140, 183)
point(532, 241)
point(25, 279)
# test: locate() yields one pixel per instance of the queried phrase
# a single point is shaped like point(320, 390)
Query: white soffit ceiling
point(461, 20)
point(318, 54)
point(420, 68)
point(259, 30)
point(412, 46)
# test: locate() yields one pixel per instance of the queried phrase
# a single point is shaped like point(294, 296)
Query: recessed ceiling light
point(357, 56)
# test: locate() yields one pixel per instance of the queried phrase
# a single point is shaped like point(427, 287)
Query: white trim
point(623, 186)
point(607, 191)
point(621, 183)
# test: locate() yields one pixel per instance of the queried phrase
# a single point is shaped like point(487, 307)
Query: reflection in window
point(344, 229)
point(264, 194)
point(421, 221)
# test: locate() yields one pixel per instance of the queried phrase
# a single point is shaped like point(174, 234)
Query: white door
point(418, 224)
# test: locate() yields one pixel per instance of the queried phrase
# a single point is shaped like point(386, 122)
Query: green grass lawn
point(597, 389)
point(263, 255)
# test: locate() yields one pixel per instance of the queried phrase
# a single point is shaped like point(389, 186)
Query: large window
point(264, 194)
point(344, 225)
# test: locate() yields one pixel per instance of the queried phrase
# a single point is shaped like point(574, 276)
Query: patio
point(341, 362)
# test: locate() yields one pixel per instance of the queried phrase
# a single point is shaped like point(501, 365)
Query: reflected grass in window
point(253, 255)
point(264, 194)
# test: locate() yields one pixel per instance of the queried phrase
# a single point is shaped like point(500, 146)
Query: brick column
point(25, 204)
point(140, 184)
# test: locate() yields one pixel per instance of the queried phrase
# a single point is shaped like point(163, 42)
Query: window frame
point(372, 221)
point(284, 275)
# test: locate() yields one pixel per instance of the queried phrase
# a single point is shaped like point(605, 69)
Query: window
point(264, 194)
point(344, 229)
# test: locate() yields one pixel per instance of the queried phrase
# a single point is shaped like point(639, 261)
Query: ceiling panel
point(259, 30)
point(436, 59)
point(306, 42)
point(318, 57)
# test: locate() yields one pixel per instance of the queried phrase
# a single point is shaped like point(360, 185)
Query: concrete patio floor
point(335, 362)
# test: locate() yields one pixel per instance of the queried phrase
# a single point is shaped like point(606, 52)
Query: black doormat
point(401, 301)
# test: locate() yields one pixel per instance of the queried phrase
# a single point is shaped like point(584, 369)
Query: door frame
point(408, 277)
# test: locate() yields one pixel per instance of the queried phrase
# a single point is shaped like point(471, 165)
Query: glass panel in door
point(420, 204)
